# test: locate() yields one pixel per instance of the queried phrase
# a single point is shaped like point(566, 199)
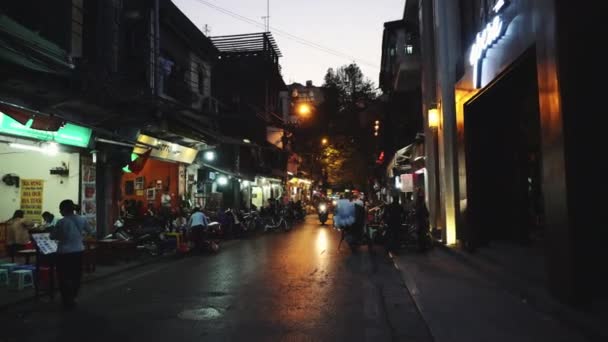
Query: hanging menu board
point(44, 243)
point(31, 198)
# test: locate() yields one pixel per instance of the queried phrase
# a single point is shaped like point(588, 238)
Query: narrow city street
point(294, 286)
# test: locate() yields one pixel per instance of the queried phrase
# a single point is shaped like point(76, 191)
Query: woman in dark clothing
point(422, 221)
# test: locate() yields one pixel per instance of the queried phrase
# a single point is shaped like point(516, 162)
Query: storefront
point(510, 136)
point(39, 169)
point(159, 179)
point(264, 189)
point(406, 172)
point(299, 189)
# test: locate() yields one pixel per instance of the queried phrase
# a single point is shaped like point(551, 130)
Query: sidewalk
point(10, 298)
point(460, 303)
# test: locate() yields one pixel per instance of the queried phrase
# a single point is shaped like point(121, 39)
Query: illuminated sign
point(69, 134)
point(166, 150)
point(484, 41)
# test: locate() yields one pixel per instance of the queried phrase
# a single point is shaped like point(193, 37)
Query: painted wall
point(35, 165)
point(154, 170)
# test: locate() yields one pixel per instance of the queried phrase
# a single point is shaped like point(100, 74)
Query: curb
point(531, 295)
point(412, 290)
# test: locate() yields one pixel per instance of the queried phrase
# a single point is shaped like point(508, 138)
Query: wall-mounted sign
point(484, 41)
point(31, 198)
point(166, 150)
point(407, 182)
point(69, 134)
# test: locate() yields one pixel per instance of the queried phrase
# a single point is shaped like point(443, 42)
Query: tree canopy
point(353, 90)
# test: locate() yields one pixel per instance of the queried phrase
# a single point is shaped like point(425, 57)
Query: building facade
point(513, 135)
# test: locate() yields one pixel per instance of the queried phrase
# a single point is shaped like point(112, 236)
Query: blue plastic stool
point(20, 279)
point(9, 267)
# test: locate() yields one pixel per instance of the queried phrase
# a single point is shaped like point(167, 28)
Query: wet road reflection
point(279, 286)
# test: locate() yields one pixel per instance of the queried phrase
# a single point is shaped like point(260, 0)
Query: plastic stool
point(9, 267)
point(24, 267)
point(21, 279)
point(44, 277)
point(3, 277)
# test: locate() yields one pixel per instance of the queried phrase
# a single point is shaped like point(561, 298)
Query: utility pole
point(267, 17)
point(206, 30)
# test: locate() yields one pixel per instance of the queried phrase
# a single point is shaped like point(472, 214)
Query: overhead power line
point(288, 35)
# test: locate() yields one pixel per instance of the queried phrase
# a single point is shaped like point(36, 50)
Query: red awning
point(40, 122)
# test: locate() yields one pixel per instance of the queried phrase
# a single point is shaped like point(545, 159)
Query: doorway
point(503, 146)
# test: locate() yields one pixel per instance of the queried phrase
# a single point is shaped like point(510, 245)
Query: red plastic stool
point(44, 277)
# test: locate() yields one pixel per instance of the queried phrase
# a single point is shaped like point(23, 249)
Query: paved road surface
point(292, 286)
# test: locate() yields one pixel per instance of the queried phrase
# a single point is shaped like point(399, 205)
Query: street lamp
point(433, 117)
point(304, 109)
point(209, 156)
point(324, 141)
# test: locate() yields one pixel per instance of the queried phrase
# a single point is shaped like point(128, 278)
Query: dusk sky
point(350, 27)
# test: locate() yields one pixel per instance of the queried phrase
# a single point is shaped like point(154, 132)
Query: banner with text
point(31, 198)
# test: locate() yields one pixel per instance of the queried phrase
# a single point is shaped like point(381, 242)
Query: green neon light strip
point(69, 134)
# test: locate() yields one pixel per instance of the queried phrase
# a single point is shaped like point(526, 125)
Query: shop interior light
point(25, 147)
point(222, 180)
point(247, 141)
point(245, 183)
point(51, 149)
point(209, 156)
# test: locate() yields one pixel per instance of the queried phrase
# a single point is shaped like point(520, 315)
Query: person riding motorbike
point(323, 211)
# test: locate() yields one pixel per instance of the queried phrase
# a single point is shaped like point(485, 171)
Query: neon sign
point(69, 134)
point(484, 41)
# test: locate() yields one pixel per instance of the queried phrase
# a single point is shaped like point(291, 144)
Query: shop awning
point(407, 159)
point(32, 119)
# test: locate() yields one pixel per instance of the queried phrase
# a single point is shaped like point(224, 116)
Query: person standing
point(198, 225)
point(70, 232)
point(49, 221)
point(394, 215)
point(422, 222)
point(18, 233)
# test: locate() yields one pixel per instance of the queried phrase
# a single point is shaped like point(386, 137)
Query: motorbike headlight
point(322, 207)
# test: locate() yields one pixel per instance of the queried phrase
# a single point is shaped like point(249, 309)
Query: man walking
point(70, 232)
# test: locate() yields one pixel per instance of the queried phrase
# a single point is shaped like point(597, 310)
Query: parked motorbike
point(148, 237)
point(278, 222)
point(323, 213)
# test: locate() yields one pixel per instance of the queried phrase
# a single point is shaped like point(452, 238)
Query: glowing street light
point(209, 156)
point(304, 109)
point(222, 181)
point(324, 141)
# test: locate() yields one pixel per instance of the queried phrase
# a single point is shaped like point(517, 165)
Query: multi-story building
point(400, 81)
point(516, 137)
point(252, 97)
point(133, 76)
